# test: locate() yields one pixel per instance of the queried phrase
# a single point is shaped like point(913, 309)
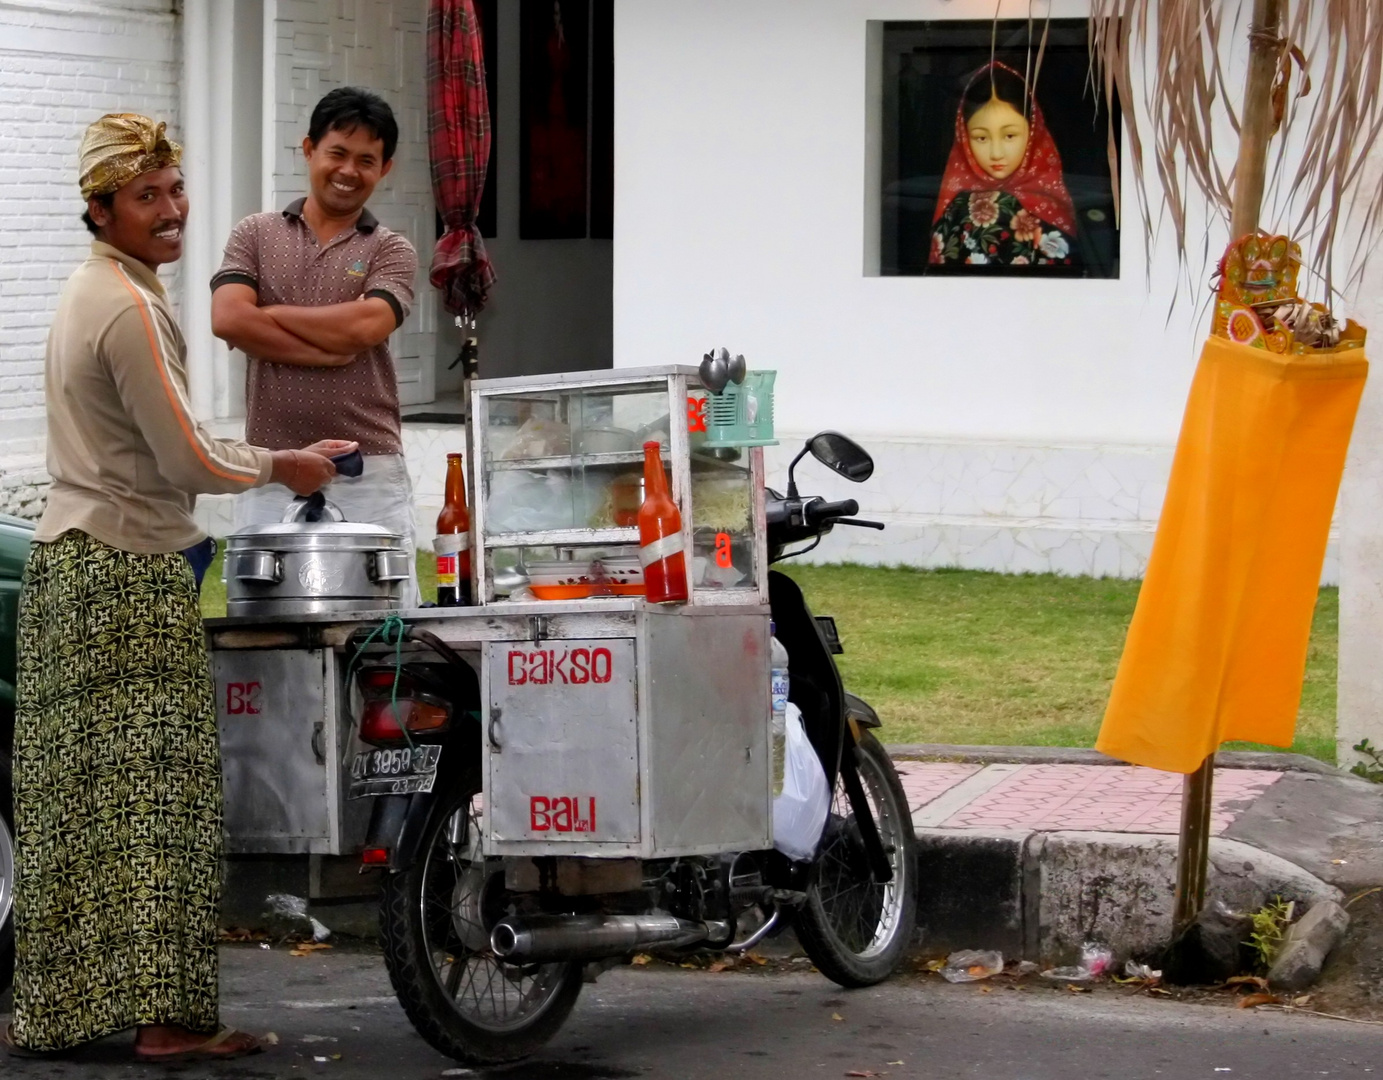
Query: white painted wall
point(62, 64)
point(551, 308)
point(1020, 425)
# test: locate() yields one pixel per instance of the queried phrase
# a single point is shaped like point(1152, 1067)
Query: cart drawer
point(563, 744)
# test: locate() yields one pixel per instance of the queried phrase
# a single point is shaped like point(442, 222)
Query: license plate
point(394, 772)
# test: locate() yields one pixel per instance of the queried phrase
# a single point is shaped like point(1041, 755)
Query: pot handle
point(390, 566)
point(311, 508)
point(260, 567)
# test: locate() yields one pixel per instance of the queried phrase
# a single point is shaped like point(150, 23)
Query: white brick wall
point(380, 45)
point(62, 64)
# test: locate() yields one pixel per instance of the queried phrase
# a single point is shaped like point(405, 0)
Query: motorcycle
point(488, 959)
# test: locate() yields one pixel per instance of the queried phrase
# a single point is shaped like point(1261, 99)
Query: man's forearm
point(351, 327)
point(264, 338)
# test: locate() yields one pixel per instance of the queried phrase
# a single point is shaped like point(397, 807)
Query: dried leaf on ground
point(1073, 988)
point(1248, 980)
point(755, 958)
point(837, 1016)
point(720, 965)
point(1250, 1001)
point(641, 960)
point(307, 948)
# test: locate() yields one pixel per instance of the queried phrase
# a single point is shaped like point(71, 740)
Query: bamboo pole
point(1256, 130)
point(1250, 179)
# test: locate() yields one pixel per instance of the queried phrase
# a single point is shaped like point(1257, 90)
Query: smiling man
point(311, 295)
point(117, 781)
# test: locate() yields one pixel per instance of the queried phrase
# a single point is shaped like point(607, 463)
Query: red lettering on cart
point(696, 413)
point(242, 699)
point(561, 813)
point(723, 556)
point(574, 667)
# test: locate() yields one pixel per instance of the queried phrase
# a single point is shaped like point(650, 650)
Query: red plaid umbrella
point(458, 119)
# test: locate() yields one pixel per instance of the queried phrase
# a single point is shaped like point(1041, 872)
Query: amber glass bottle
point(660, 535)
point(453, 543)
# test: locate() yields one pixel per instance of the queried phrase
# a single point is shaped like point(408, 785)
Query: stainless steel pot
point(301, 567)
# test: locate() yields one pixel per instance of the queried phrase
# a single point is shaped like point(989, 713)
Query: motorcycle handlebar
point(815, 513)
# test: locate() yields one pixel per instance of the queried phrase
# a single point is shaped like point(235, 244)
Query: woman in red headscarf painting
point(1003, 200)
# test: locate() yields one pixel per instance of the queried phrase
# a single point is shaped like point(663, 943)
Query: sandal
point(207, 1051)
point(12, 1048)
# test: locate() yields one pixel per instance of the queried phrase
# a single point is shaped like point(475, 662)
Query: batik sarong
point(117, 798)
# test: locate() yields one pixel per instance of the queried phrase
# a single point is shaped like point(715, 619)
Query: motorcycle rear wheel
point(435, 922)
point(856, 929)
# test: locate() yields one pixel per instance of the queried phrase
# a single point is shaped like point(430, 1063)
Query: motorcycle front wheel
point(435, 922)
point(856, 929)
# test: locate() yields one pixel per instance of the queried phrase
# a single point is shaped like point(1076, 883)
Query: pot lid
point(321, 534)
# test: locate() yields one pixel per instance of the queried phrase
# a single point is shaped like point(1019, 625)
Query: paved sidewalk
point(1037, 850)
point(1103, 798)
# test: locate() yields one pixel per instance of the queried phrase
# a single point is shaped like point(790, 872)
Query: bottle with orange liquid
point(453, 542)
point(660, 535)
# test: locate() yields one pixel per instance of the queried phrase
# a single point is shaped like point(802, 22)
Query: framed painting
point(993, 163)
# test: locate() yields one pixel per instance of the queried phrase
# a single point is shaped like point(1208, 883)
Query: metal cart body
point(612, 728)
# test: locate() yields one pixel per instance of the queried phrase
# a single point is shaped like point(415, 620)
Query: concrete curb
point(1067, 755)
point(1041, 895)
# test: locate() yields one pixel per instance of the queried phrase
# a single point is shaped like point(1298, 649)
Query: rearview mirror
point(842, 455)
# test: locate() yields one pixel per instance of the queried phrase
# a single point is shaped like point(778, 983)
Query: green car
point(15, 538)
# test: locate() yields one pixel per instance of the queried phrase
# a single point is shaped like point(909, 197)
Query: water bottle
point(778, 691)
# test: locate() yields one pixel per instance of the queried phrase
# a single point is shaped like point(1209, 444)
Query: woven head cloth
point(121, 146)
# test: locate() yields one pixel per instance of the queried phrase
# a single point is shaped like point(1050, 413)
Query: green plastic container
point(742, 414)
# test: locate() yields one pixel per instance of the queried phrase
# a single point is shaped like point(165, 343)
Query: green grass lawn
point(1012, 660)
point(965, 657)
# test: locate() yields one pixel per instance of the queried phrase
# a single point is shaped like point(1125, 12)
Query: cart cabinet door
point(562, 745)
point(272, 710)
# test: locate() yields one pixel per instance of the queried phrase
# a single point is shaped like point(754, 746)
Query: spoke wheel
point(6, 877)
point(856, 929)
point(436, 920)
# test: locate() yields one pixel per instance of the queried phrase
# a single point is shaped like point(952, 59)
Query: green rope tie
point(390, 632)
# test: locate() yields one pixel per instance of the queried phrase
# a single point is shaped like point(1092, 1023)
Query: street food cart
point(610, 726)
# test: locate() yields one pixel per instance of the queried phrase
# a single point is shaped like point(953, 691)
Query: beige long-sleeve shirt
point(126, 454)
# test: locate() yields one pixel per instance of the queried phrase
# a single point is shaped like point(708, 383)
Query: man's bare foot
point(169, 1042)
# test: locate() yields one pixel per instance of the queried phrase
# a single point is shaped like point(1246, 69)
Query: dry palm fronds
point(1189, 113)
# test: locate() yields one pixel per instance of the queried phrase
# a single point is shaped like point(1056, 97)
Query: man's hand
point(237, 319)
point(305, 471)
point(330, 448)
point(351, 327)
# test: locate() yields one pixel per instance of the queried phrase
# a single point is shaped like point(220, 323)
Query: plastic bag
point(530, 502)
point(799, 813)
point(972, 965)
point(1095, 961)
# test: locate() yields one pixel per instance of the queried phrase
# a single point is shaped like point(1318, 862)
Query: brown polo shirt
point(291, 406)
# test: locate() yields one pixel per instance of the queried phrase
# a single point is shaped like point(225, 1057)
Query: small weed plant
point(1270, 924)
point(1373, 768)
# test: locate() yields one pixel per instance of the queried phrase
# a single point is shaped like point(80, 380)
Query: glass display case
point(557, 475)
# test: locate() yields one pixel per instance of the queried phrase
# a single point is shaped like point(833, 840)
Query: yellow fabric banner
point(1217, 647)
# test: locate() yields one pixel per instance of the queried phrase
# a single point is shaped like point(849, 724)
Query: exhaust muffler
point(551, 938)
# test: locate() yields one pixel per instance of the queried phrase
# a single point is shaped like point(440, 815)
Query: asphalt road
point(334, 1016)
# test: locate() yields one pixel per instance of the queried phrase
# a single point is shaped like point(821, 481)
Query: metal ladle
point(718, 369)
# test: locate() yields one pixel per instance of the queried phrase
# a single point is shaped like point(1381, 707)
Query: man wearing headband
point(117, 777)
